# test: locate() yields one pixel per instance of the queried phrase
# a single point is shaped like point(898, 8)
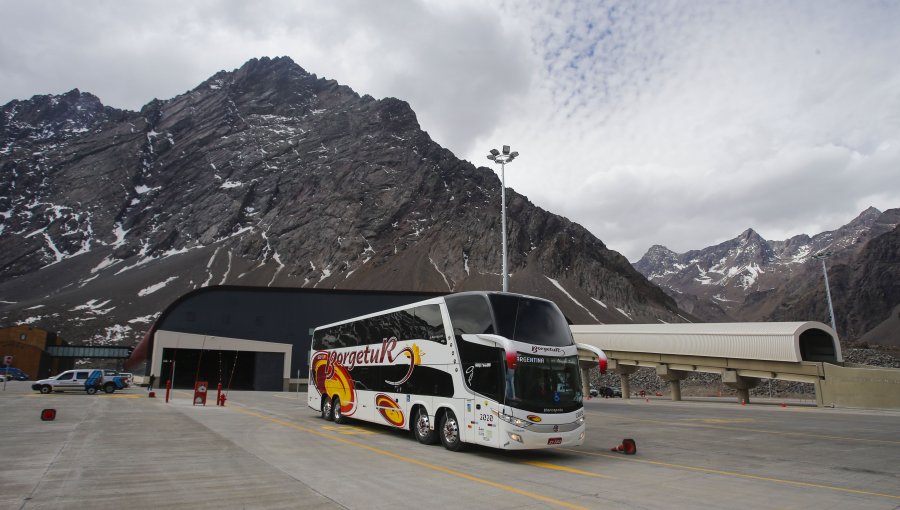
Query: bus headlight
point(518, 422)
point(580, 421)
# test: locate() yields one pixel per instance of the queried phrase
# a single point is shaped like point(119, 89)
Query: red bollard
point(168, 389)
point(221, 400)
point(219, 394)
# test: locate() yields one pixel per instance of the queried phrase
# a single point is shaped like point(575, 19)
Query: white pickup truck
point(78, 380)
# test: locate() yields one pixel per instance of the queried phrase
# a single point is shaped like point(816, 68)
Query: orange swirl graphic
point(389, 409)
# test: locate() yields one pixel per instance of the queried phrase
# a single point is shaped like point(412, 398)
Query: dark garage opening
point(237, 370)
point(817, 345)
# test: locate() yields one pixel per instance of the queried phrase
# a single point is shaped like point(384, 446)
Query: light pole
point(503, 158)
point(822, 256)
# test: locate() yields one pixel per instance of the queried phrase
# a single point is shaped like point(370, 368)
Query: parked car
point(127, 377)
point(610, 392)
point(90, 380)
point(595, 392)
point(13, 374)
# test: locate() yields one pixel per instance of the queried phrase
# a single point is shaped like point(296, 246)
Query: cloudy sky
point(679, 123)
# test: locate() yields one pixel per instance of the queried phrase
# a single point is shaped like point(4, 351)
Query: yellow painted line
point(416, 462)
point(736, 475)
point(278, 395)
point(695, 423)
point(348, 430)
point(124, 395)
point(556, 467)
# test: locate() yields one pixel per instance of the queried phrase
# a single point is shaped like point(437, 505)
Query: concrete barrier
point(860, 386)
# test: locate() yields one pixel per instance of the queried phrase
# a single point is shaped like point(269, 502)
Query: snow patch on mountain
point(564, 291)
point(155, 287)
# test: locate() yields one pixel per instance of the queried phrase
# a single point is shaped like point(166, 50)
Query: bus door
point(481, 422)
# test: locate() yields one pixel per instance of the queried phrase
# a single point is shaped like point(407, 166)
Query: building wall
point(27, 345)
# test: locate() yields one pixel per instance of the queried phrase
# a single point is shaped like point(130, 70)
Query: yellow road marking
point(124, 395)
point(348, 430)
point(556, 467)
point(735, 475)
point(694, 423)
point(417, 462)
point(276, 395)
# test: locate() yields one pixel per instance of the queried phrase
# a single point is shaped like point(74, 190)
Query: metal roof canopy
point(771, 341)
point(89, 351)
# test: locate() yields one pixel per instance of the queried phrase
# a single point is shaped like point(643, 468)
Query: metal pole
point(828, 293)
point(503, 213)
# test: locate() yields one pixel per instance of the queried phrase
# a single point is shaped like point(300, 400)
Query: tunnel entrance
point(236, 370)
point(817, 345)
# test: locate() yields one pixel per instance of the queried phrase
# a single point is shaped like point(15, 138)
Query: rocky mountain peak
point(53, 117)
point(270, 175)
point(750, 278)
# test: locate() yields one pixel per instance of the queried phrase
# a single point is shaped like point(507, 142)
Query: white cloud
point(678, 123)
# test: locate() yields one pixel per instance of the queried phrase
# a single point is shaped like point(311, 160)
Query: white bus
point(488, 368)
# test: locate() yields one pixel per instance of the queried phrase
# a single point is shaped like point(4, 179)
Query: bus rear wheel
point(327, 408)
point(422, 427)
point(339, 417)
point(450, 433)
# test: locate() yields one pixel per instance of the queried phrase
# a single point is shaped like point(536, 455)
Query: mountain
point(267, 175)
point(749, 278)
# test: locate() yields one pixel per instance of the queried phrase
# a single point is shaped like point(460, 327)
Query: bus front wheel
point(450, 433)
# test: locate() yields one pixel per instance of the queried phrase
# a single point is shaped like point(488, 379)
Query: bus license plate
point(554, 440)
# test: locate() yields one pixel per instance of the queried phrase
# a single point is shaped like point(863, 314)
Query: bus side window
point(431, 323)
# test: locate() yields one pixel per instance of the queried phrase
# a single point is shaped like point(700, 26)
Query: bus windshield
point(532, 321)
point(544, 384)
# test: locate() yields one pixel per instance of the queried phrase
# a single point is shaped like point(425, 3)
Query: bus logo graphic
point(334, 379)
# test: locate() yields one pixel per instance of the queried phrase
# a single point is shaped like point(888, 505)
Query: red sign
point(554, 440)
point(200, 389)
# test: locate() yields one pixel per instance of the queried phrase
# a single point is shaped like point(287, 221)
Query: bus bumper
point(516, 438)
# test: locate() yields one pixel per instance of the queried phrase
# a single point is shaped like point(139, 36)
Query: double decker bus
point(489, 368)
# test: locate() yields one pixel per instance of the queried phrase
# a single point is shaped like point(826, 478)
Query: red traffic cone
point(783, 404)
point(152, 394)
point(743, 402)
point(628, 447)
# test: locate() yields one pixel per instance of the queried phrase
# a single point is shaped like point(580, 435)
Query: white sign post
point(7, 361)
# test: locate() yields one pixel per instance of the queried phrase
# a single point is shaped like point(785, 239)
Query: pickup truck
point(84, 379)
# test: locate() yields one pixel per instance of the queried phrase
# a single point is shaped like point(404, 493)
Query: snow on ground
point(107, 262)
point(449, 287)
point(94, 307)
point(623, 312)
point(560, 287)
point(601, 303)
point(155, 287)
point(143, 320)
point(228, 184)
point(116, 334)
point(227, 270)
